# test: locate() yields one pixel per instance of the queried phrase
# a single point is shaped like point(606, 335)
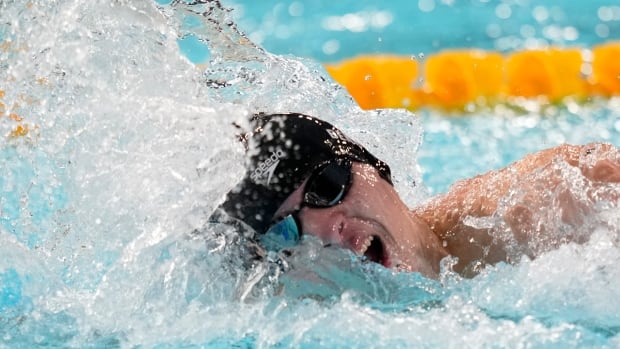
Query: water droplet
point(503, 11)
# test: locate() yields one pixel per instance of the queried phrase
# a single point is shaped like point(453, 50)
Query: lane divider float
point(461, 80)
point(12, 121)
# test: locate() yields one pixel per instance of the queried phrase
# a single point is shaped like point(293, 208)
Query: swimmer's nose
point(324, 223)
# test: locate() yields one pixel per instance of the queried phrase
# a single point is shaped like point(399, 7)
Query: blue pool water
point(334, 31)
point(130, 148)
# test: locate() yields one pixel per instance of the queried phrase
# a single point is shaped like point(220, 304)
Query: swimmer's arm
point(479, 196)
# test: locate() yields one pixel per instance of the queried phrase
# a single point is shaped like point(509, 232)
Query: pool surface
point(348, 28)
point(117, 144)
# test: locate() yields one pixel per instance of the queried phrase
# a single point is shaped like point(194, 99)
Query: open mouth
point(374, 250)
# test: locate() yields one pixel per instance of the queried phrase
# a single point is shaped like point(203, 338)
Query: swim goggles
point(327, 186)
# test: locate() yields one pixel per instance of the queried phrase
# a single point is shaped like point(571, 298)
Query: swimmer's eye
point(284, 233)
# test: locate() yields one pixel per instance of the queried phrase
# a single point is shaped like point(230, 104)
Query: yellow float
point(20, 129)
point(456, 79)
point(605, 77)
point(370, 79)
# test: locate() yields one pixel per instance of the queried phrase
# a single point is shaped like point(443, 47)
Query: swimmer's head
point(283, 150)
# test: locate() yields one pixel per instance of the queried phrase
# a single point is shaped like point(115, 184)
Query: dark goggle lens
point(328, 185)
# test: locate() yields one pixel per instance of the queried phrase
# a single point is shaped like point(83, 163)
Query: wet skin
point(373, 221)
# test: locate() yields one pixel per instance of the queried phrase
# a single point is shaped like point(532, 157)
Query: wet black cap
point(283, 150)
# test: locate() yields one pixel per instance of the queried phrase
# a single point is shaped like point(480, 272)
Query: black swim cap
point(282, 151)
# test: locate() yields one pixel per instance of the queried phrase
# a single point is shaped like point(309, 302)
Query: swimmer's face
point(371, 221)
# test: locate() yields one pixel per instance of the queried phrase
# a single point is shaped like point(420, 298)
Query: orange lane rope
point(458, 79)
point(19, 128)
point(13, 124)
point(16, 123)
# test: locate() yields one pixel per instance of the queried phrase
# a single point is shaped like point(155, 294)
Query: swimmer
point(304, 176)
